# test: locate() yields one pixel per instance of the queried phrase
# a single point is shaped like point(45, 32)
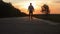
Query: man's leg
point(32, 15)
point(29, 15)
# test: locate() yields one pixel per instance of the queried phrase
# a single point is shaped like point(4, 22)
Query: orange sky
point(54, 5)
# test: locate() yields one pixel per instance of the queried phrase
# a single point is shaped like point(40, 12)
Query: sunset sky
point(23, 5)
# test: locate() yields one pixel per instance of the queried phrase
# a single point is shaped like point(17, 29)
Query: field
point(50, 17)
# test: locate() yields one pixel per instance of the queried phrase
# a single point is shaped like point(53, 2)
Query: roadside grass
point(51, 17)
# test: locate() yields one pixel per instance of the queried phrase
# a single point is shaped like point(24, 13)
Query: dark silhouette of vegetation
point(7, 10)
point(50, 17)
point(45, 9)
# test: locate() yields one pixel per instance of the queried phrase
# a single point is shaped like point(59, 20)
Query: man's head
point(30, 3)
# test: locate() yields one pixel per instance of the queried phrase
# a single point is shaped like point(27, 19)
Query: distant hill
point(8, 10)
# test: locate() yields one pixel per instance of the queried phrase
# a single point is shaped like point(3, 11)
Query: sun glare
point(25, 5)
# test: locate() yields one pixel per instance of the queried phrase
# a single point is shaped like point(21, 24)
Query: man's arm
point(33, 8)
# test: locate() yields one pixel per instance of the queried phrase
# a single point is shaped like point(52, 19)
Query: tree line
point(8, 10)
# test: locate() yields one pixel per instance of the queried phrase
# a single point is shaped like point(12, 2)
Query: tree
point(45, 9)
point(8, 10)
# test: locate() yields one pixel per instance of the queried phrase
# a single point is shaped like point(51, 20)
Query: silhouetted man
point(31, 9)
point(45, 9)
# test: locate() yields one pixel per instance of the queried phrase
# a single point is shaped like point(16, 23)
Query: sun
point(26, 5)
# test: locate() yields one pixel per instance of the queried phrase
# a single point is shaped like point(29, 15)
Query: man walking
point(31, 9)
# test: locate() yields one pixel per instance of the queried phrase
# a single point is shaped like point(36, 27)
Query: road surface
point(22, 25)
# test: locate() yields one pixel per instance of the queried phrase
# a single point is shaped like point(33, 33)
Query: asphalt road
point(22, 25)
